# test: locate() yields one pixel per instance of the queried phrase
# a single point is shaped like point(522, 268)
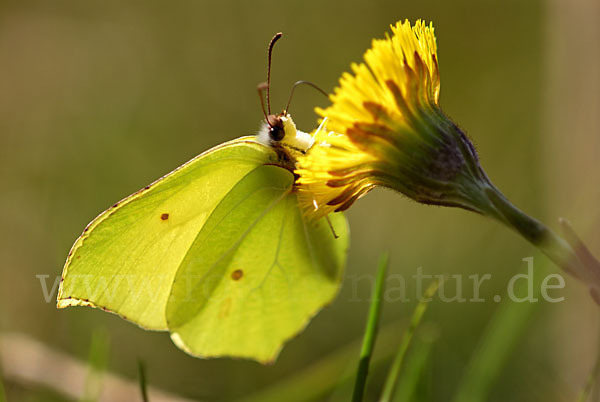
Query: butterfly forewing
point(126, 259)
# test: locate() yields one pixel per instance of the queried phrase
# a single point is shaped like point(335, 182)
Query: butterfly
point(217, 252)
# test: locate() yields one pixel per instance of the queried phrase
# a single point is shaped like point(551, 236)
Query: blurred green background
point(99, 98)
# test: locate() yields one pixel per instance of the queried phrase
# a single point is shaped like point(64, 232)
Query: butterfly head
point(280, 131)
point(276, 126)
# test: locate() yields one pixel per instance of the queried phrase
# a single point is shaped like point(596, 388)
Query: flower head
point(385, 128)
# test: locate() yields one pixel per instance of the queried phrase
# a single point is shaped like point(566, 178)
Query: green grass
point(97, 364)
point(393, 376)
point(371, 330)
point(142, 380)
point(502, 335)
point(2, 393)
point(416, 363)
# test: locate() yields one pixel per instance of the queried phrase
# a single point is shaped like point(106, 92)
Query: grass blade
point(414, 368)
point(321, 378)
point(499, 339)
point(2, 394)
point(394, 373)
point(142, 378)
point(97, 363)
point(370, 330)
point(591, 380)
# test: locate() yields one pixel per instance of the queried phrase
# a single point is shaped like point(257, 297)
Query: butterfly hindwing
point(256, 273)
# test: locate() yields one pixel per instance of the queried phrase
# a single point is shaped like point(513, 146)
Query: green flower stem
point(556, 248)
point(472, 189)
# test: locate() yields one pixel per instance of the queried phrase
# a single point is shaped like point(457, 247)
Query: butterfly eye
point(276, 133)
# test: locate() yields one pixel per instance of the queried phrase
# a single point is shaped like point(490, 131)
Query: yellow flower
point(385, 128)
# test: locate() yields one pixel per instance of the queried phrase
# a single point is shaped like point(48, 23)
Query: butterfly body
point(280, 133)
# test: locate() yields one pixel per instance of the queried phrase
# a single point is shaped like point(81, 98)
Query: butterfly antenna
point(261, 87)
point(300, 83)
point(271, 44)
